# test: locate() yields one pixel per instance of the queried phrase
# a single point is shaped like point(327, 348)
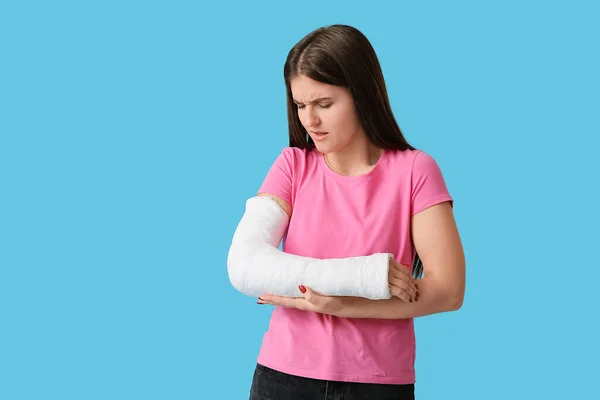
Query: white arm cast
point(256, 266)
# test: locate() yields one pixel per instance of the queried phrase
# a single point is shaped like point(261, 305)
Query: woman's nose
point(312, 119)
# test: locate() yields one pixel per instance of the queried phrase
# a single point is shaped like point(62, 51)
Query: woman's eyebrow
point(314, 101)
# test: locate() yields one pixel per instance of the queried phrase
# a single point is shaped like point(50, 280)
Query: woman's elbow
point(456, 291)
point(235, 269)
point(236, 280)
point(449, 296)
point(455, 301)
point(455, 295)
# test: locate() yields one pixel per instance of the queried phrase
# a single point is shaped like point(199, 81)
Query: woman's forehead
point(307, 89)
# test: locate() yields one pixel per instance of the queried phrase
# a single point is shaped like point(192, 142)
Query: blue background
point(131, 134)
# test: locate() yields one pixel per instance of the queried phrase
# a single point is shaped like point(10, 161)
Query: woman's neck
point(358, 158)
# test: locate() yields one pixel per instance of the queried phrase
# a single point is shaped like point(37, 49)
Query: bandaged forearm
point(256, 266)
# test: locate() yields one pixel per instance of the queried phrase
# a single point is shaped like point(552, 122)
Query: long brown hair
point(341, 55)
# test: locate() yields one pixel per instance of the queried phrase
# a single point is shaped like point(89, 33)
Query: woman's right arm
point(256, 266)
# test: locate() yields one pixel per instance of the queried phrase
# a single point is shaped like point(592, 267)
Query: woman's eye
point(301, 106)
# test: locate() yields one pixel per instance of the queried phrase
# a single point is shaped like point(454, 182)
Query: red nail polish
point(302, 288)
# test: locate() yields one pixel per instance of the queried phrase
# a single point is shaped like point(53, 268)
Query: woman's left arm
point(438, 244)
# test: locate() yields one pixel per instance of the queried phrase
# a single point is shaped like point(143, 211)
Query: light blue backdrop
point(131, 134)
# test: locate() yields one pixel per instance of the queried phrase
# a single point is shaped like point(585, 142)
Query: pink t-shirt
point(336, 216)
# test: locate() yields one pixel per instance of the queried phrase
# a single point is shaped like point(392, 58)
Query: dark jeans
point(268, 384)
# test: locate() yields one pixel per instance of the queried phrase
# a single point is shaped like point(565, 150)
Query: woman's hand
point(311, 301)
point(402, 284)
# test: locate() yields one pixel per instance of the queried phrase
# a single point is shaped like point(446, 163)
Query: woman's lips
point(319, 135)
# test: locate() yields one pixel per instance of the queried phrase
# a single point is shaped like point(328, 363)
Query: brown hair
point(341, 55)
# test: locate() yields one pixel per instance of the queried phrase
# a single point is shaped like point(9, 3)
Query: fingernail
point(258, 302)
point(302, 288)
point(411, 300)
point(261, 299)
point(417, 293)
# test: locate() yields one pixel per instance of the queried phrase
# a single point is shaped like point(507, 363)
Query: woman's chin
point(323, 147)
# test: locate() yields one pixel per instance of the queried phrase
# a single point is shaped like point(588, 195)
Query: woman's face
point(327, 113)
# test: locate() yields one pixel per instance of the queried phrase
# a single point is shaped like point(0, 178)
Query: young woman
point(350, 186)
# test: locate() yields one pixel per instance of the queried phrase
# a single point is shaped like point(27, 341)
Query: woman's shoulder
point(413, 157)
point(296, 151)
point(296, 156)
point(403, 157)
point(415, 162)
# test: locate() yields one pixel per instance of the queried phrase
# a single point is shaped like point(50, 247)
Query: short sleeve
point(428, 184)
point(278, 181)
